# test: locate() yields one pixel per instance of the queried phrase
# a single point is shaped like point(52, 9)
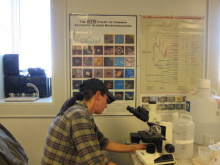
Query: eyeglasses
point(108, 101)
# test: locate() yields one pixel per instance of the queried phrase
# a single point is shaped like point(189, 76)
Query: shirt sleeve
point(86, 140)
point(102, 140)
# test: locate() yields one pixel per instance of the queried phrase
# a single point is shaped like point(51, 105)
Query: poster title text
point(96, 23)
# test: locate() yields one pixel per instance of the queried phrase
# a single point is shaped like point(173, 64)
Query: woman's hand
point(138, 147)
point(117, 147)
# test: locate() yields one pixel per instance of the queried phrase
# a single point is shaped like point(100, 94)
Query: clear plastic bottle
point(205, 111)
point(214, 154)
point(183, 137)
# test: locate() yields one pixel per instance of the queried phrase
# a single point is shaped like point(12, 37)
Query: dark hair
point(79, 96)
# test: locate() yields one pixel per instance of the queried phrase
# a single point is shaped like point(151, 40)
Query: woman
point(73, 137)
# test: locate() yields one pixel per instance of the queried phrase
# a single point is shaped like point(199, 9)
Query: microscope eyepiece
point(140, 113)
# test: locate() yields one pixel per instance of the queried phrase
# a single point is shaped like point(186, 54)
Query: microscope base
point(156, 158)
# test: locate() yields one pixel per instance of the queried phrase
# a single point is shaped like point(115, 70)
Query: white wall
point(1, 79)
point(29, 122)
point(213, 44)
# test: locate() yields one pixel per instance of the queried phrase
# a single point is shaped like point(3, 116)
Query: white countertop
point(193, 161)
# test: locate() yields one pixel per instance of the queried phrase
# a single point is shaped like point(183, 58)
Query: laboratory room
point(110, 82)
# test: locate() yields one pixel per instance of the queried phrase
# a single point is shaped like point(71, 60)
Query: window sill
point(40, 100)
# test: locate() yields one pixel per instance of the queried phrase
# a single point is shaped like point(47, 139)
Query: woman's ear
point(97, 94)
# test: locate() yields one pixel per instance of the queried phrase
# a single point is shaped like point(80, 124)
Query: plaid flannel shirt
point(74, 139)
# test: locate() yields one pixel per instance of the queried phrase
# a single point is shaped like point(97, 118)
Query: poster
point(172, 53)
point(105, 47)
point(171, 60)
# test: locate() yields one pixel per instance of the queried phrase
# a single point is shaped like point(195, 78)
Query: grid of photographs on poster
point(165, 102)
point(113, 62)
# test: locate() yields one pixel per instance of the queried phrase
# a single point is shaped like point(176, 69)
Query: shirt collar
point(85, 107)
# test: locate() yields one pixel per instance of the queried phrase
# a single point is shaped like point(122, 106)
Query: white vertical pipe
point(15, 25)
point(206, 41)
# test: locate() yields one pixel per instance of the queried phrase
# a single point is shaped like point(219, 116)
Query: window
point(5, 27)
point(25, 27)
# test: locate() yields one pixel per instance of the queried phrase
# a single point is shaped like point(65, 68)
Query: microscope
point(158, 139)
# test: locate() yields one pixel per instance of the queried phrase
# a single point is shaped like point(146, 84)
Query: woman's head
point(96, 85)
point(91, 89)
point(96, 95)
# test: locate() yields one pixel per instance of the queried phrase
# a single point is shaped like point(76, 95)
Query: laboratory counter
point(193, 161)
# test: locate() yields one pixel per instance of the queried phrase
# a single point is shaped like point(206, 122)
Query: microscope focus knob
point(169, 148)
point(150, 148)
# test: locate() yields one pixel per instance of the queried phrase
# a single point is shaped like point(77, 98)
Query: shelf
point(40, 100)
